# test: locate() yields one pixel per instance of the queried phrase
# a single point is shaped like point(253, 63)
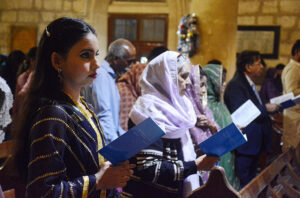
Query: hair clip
point(47, 32)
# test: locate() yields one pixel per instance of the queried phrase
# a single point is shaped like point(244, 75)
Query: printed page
point(282, 98)
point(245, 114)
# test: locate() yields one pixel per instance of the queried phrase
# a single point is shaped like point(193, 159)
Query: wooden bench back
point(261, 181)
point(216, 186)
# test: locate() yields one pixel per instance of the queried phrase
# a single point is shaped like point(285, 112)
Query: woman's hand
point(113, 176)
point(202, 121)
point(206, 163)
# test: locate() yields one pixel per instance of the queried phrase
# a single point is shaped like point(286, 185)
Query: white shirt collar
point(249, 80)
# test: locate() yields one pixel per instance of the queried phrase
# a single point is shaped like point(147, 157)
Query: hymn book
point(130, 143)
point(286, 101)
point(223, 141)
point(245, 114)
point(230, 137)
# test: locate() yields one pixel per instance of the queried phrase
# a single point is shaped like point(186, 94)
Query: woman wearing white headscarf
point(168, 168)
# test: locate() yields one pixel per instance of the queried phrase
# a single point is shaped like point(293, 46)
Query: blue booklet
point(130, 143)
point(287, 104)
point(286, 101)
point(223, 141)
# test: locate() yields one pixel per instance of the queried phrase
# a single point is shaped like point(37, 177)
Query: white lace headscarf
point(6, 103)
point(160, 98)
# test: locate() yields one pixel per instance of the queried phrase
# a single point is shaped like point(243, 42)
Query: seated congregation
point(67, 107)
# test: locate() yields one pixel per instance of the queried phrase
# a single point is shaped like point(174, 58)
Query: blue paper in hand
point(287, 104)
point(223, 141)
point(130, 143)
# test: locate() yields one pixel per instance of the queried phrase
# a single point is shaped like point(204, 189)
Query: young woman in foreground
point(58, 133)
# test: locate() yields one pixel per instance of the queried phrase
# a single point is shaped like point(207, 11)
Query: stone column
point(217, 23)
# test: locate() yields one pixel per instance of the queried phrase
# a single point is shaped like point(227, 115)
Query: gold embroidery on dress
point(45, 175)
point(42, 157)
point(71, 189)
point(66, 145)
point(67, 114)
point(79, 182)
point(48, 192)
point(70, 129)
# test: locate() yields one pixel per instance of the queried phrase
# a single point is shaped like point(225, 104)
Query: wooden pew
point(216, 186)
point(278, 179)
point(261, 181)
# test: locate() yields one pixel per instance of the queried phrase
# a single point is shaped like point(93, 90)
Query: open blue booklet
point(223, 141)
point(230, 137)
point(286, 101)
point(130, 143)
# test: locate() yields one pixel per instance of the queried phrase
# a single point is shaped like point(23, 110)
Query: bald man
point(103, 94)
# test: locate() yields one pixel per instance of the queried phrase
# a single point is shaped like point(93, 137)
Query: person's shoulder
point(48, 109)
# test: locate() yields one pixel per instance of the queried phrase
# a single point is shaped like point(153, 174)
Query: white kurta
point(291, 120)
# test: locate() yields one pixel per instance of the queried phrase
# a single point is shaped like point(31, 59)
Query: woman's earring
point(59, 70)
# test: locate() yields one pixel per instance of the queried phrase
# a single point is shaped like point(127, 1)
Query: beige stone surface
point(285, 49)
point(16, 4)
point(284, 35)
point(218, 32)
point(4, 28)
point(9, 4)
point(25, 4)
point(246, 20)
point(4, 50)
point(41, 28)
point(273, 62)
point(48, 16)
point(270, 7)
point(295, 35)
point(9, 16)
point(286, 21)
point(265, 20)
point(3, 41)
point(52, 4)
point(79, 6)
point(27, 16)
point(248, 7)
point(67, 6)
point(38, 4)
point(290, 6)
point(66, 14)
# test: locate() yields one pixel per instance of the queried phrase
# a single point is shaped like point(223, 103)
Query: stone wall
point(284, 13)
point(37, 13)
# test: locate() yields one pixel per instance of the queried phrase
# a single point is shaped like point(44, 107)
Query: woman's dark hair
point(59, 36)
point(224, 72)
point(31, 55)
point(156, 51)
point(202, 72)
point(14, 60)
point(214, 61)
point(280, 66)
point(246, 57)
